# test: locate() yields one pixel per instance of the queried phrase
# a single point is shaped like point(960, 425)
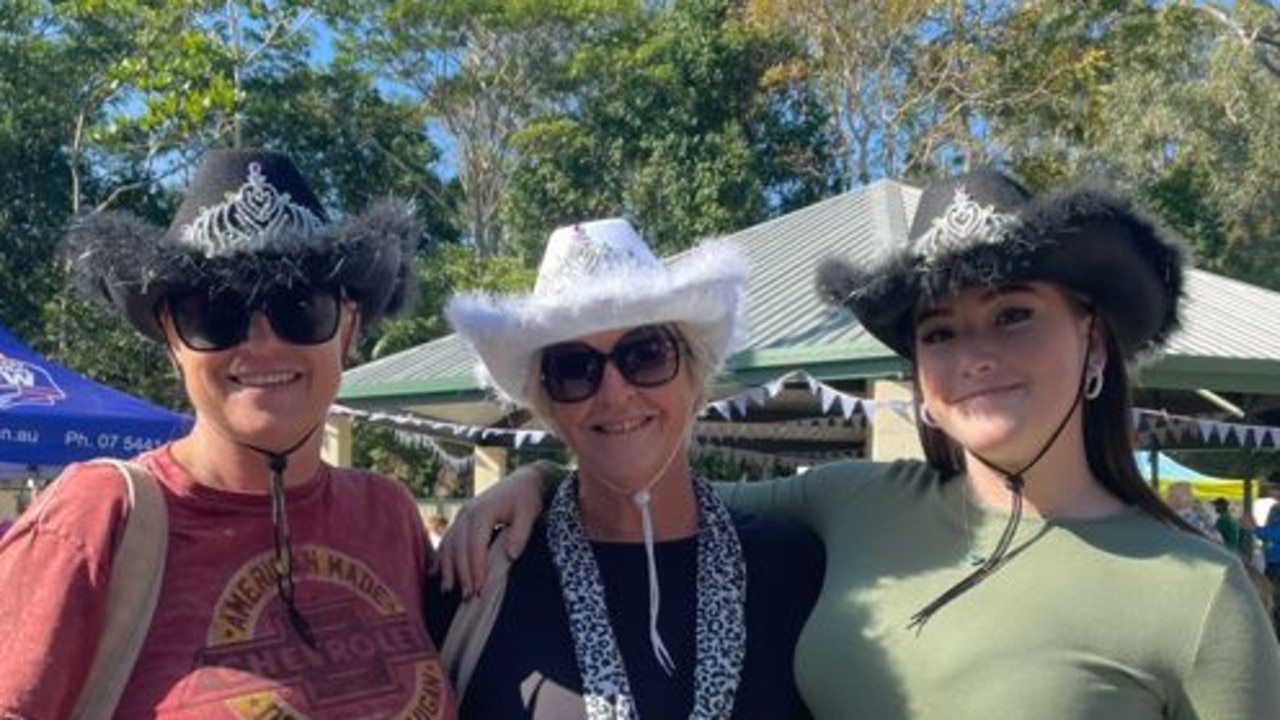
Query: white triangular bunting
point(848, 406)
point(812, 383)
point(869, 408)
point(773, 387)
point(826, 396)
point(1206, 429)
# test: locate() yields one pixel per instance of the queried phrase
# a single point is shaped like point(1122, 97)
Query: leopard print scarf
point(721, 627)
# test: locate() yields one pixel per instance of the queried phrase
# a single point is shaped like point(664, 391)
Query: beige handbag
point(136, 573)
point(473, 620)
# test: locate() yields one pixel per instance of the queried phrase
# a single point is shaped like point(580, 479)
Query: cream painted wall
point(491, 465)
point(892, 436)
point(337, 447)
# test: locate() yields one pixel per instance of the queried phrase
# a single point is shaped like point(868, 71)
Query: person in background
point(437, 524)
point(1025, 569)
point(290, 588)
point(641, 594)
point(1183, 501)
point(1269, 535)
point(1225, 525)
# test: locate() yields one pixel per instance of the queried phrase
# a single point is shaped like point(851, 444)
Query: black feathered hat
point(247, 223)
point(984, 228)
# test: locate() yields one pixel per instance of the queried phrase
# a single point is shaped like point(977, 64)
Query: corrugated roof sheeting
point(446, 357)
point(1227, 318)
point(1223, 319)
point(783, 308)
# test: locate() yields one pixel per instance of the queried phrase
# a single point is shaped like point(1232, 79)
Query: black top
point(530, 657)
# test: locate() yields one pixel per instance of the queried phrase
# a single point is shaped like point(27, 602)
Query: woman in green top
point(1025, 570)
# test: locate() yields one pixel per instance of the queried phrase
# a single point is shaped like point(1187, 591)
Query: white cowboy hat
point(596, 276)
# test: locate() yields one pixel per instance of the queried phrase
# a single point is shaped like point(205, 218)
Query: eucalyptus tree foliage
point(904, 82)
point(47, 82)
point(1174, 100)
point(1255, 24)
point(678, 121)
point(914, 88)
point(1166, 104)
point(483, 69)
point(446, 269)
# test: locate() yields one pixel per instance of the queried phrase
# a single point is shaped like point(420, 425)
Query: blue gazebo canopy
point(51, 415)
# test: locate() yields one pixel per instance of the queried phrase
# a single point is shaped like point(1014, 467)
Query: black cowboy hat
point(984, 228)
point(249, 223)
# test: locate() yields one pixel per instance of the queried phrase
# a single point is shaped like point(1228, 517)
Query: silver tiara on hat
point(964, 223)
point(250, 218)
point(611, 248)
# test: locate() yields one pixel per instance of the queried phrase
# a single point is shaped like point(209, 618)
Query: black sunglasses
point(647, 357)
point(217, 321)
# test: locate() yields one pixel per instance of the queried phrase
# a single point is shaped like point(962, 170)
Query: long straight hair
point(1108, 440)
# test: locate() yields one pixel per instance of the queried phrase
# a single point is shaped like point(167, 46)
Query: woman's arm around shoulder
point(817, 493)
point(514, 503)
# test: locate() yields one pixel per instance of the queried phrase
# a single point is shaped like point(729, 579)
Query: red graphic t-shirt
point(220, 644)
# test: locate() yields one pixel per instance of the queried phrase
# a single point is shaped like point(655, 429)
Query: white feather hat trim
point(598, 276)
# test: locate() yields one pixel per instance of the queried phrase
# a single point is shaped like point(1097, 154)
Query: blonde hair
point(1179, 495)
point(437, 523)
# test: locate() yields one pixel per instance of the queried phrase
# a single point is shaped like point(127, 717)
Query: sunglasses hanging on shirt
point(298, 315)
point(647, 356)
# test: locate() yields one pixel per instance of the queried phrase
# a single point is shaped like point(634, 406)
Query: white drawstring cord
point(641, 499)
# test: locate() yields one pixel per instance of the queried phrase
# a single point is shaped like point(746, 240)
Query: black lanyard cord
point(1015, 482)
point(282, 561)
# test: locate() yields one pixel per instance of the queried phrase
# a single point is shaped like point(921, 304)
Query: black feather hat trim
point(983, 228)
point(248, 223)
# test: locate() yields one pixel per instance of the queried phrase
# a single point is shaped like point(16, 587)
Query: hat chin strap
point(642, 499)
point(1015, 481)
point(282, 562)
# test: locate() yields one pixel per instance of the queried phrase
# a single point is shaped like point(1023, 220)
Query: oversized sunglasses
point(646, 357)
point(218, 321)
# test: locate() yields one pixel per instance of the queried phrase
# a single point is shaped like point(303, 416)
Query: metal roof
point(1230, 339)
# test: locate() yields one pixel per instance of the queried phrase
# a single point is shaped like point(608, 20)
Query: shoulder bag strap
point(136, 571)
point(469, 631)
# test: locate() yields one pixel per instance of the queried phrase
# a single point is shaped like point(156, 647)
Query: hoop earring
point(1093, 384)
point(922, 412)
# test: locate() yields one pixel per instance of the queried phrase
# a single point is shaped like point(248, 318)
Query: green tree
point(352, 142)
point(1158, 102)
point(483, 69)
point(34, 183)
point(112, 103)
point(677, 122)
point(446, 269)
